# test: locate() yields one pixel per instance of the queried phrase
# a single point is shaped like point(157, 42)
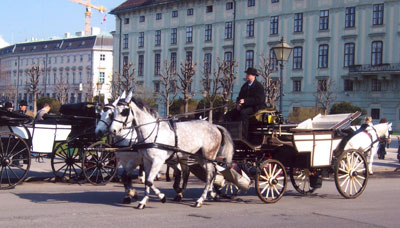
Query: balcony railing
point(368, 68)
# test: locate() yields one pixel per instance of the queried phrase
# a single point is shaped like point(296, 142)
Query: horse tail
point(226, 150)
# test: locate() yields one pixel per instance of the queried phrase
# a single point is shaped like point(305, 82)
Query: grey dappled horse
point(367, 139)
point(204, 141)
point(129, 159)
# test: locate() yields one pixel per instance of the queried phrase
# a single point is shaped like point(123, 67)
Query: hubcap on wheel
point(5, 161)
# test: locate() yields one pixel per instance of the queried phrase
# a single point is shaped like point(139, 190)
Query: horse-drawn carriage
point(62, 138)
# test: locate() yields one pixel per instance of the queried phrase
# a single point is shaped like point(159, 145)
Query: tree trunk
point(186, 105)
point(167, 105)
point(210, 113)
point(34, 104)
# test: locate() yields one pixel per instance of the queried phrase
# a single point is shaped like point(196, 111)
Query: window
point(249, 59)
point(228, 30)
point(297, 85)
point(348, 85)
point(157, 64)
point(126, 20)
point(72, 98)
point(322, 86)
point(68, 59)
point(125, 60)
point(125, 41)
point(375, 85)
point(173, 62)
point(272, 59)
point(156, 86)
point(189, 34)
point(323, 56)
point(297, 58)
point(208, 32)
point(142, 18)
point(189, 55)
point(158, 16)
point(80, 77)
point(73, 78)
point(250, 28)
point(209, 9)
point(141, 39)
point(89, 57)
point(298, 22)
point(102, 57)
point(79, 98)
point(274, 25)
point(349, 49)
point(140, 65)
point(228, 56)
point(158, 38)
point(190, 12)
point(376, 53)
point(350, 20)
point(274, 1)
point(54, 78)
point(375, 113)
point(174, 32)
point(101, 77)
point(377, 18)
point(175, 13)
point(229, 6)
point(207, 62)
point(80, 58)
point(251, 3)
point(324, 20)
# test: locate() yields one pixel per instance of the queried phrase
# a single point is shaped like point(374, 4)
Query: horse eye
point(125, 112)
point(110, 115)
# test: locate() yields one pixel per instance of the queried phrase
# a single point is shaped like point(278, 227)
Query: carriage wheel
point(228, 190)
point(271, 181)
point(300, 179)
point(351, 174)
point(66, 162)
point(99, 167)
point(15, 160)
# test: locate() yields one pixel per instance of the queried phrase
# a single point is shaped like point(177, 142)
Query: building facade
point(80, 63)
point(354, 44)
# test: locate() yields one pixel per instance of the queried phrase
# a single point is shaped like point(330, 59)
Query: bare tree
point(271, 86)
point(325, 94)
point(211, 85)
point(34, 74)
point(228, 79)
point(168, 83)
point(62, 88)
point(188, 70)
point(123, 82)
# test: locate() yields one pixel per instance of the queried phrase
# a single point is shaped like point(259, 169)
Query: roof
point(135, 4)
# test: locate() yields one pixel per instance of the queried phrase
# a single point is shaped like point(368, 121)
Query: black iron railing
point(368, 68)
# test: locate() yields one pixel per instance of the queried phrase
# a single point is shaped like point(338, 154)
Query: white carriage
point(62, 138)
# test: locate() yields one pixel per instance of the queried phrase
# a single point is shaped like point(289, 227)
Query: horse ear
point(105, 100)
point(129, 97)
point(116, 101)
point(123, 94)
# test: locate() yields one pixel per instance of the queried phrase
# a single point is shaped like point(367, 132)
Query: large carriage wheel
point(227, 189)
point(300, 179)
point(66, 162)
point(351, 174)
point(271, 181)
point(15, 160)
point(99, 167)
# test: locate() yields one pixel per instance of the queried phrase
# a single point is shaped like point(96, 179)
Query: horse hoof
point(168, 179)
point(127, 200)
point(135, 197)
point(198, 205)
point(216, 198)
point(178, 198)
point(141, 206)
point(164, 199)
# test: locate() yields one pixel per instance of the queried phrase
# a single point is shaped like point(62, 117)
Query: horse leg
point(210, 178)
point(130, 192)
point(177, 182)
point(371, 158)
point(141, 175)
point(185, 176)
point(168, 179)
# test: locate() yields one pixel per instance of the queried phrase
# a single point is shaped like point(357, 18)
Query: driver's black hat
point(23, 103)
point(251, 71)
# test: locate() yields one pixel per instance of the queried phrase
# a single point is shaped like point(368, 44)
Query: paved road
point(48, 204)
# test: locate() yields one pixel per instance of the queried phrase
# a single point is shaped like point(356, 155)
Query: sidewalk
point(386, 167)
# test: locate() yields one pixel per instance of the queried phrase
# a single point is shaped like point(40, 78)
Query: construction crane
point(88, 13)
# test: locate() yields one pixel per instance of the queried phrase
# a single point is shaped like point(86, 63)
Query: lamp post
point(282, 52)
point(99, 86)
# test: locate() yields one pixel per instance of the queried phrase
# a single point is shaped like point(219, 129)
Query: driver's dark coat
point(254, 95)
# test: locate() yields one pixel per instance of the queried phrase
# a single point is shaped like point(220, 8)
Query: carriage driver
point(251, 99)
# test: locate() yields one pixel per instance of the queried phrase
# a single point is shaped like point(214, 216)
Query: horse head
point(382, 130)
point(123, 114)
point(107, 115)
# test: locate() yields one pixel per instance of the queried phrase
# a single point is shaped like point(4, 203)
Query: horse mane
point(145, 107)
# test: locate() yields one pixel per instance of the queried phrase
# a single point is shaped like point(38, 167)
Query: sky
point(22, 20)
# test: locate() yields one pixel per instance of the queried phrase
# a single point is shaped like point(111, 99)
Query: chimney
point(67, 35)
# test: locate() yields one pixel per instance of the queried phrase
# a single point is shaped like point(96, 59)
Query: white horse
point(367, 140)
point(203, 141)
point(129, 159)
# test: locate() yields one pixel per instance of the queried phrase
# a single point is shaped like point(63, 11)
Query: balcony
point(371, 69)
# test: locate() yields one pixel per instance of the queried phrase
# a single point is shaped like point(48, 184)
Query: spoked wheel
point(300, 179)
point(271, 181)
point(99, 167)
point(351, 174)
point(15, 160)
point(66, 162)
point(228, 190)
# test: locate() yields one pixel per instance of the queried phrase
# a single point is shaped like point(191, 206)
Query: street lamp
point(282, 52)
point(99, 86)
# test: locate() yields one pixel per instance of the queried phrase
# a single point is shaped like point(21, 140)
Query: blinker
point(125, 112)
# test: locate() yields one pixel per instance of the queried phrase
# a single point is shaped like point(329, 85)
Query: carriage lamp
point(99, 86)
point(282, 52)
